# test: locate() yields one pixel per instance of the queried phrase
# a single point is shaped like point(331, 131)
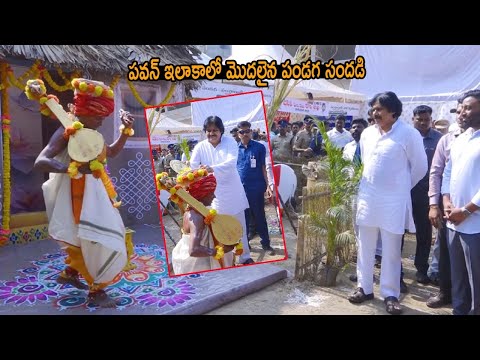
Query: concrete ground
point(28, 286)
point(291, 297)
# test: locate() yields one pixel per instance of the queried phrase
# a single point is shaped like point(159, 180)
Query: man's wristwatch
point(465, 211)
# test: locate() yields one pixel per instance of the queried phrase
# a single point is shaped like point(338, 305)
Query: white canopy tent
point(321, 89)
point(315, 89)
point(167, 130)
point(434, 75)
point(173, 127)
point(232, 110)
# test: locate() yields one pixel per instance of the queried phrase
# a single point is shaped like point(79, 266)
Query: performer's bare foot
point(101, 299)
point(72, 280)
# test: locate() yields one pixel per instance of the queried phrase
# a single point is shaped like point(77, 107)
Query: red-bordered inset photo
point(217, 199)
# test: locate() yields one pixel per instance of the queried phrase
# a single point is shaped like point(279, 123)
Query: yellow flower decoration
point(220, 252)
point(73, 170)
point(96, 165)
point(83, 86)
point(239, 249)
point(77, 125)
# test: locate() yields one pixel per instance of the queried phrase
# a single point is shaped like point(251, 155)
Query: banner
point(346, 109)
point(171, 139)
point(318, 108)
point(306, 107)
point(282, 115)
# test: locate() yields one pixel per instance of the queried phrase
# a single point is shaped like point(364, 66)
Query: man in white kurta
point(230, 198)
point(394, 161)
point(461, 203)
point(338, 135)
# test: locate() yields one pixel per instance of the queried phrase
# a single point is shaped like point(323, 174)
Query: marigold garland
point(143, 103)
point(98, 172)
point(115, 81)
point(210, 217)
point(220, 252)
point(75, 74)
point(239, 249)
point(5, 231)
point(60, 88)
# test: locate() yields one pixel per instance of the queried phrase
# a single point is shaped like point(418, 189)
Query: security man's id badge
point(253, 162)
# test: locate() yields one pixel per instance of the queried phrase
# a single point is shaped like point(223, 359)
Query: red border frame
point(157, 191)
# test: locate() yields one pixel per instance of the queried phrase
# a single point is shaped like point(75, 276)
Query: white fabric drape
point(437, 71)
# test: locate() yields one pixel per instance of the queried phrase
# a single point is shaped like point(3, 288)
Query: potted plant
point(333, 226)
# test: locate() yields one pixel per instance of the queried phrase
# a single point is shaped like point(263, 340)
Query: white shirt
point(453, 127)
point(268, 164)
point(230, 198)
point(393, 163)
point(349, 150)
point(461, 178)
point(339, 139)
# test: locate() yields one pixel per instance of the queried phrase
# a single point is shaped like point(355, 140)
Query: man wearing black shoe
point(394, 161)
point(440, 159)
point(422, 121)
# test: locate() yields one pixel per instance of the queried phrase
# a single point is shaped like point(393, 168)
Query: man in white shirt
point(218, 154)
point(338, 135)
point(461, 203)
point(394, 161)
point(351, 152)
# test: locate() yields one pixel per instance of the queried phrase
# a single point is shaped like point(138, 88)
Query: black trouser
point(251, 223)
point(465, 262)
point(423, 229)
point(256, 202)
point(444, 271)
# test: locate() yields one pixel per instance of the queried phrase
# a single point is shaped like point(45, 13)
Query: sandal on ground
point(359, 296)
point(392, 305)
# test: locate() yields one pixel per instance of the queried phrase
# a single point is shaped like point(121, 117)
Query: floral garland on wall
point(5, 230)
point(143, 103)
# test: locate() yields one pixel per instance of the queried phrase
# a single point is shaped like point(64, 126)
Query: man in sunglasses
point(251, 165)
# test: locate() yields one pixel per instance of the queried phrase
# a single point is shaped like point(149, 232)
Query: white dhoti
point(100, 234)
point(391, 260)
point(183, 263)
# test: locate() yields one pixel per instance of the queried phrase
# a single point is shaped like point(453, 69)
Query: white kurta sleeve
point(230, 163)
point(195, 158)
point(417, 158)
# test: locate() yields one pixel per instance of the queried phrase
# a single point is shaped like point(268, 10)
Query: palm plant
point(183, 143)
point(282, 88)
point(334, 227)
